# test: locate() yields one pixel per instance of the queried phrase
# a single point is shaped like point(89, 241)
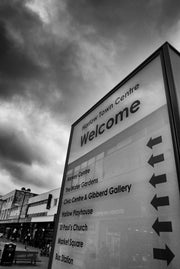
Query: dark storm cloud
point(14, 169)
point(66, 72)
point(19, 65)
point(15, 63)
point(18, 155)
point(15, 58)
point(53, 70)
point(15, 147)
point(111, 19)
point(35, 63)
point(39, 65)
point(20, 176)
point(169, 13)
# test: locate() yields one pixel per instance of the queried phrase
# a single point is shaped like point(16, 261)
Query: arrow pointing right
point(157, 179)
point(163, 254)
point(159, 201)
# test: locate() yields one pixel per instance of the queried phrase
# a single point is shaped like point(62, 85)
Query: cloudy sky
point(58, 58)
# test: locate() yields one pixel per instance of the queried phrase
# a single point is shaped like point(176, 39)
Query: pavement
point(43, 264)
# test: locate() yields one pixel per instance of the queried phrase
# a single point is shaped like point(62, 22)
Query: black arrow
point(159, 201)
point(152, 142)
point(156, 159)
point(162, 226)
point(163, 254)
point(157, 179)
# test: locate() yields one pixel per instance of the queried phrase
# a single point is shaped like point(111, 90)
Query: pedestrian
point(27, 239)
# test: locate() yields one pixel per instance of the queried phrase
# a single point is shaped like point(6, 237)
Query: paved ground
point(20, 265)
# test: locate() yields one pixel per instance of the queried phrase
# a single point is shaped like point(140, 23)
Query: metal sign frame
point(174, 118)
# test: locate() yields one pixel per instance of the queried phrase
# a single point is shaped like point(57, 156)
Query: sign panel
point(120, 205)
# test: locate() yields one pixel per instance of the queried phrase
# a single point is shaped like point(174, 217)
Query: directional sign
point(152, 142)
point(120, 199)
point(159, 201)
point(162, 226)
point(155, 180)
point(163, 254)
point(156, 159)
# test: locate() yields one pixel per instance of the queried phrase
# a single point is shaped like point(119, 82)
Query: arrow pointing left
point(156, 159)
point(154, 141)
point(162, 226)
point(159, 201)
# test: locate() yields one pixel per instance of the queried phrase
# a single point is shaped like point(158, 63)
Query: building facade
point(41, 213)
point(14, 205)
point(25, 213)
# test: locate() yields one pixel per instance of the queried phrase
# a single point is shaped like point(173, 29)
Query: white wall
point(36, 207)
